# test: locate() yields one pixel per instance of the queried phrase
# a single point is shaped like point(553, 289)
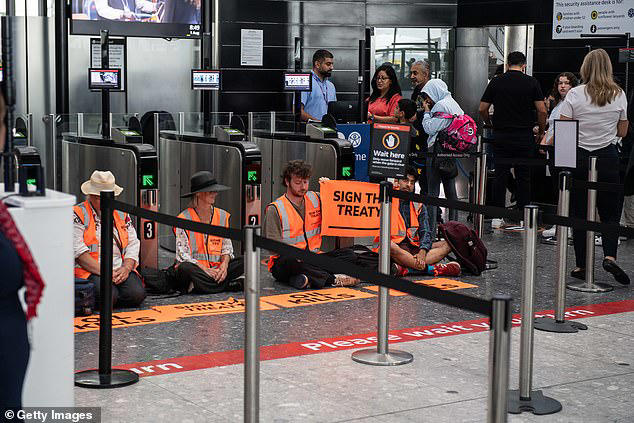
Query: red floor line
point(296, 349)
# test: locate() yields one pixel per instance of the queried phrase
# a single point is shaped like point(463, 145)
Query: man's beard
point(326, 74)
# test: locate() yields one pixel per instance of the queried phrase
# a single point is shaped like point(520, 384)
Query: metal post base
point(537, 403)
point(551, 325)
point(372, 357)
point(595, 287)
point(117, 379)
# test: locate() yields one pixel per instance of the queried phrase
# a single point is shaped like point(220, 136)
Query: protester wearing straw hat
point(205, 264)
point(128, 290)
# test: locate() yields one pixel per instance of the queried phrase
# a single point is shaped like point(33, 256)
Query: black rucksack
point(85, 299)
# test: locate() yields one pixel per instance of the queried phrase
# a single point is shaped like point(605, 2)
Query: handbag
point(445, 166)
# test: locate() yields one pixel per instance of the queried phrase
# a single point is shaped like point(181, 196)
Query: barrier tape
point(425, 154)
point(461, 301)
point(598, 186)
point(517, 215)
point(452, 299)
point(491, 211)
point(190, 225)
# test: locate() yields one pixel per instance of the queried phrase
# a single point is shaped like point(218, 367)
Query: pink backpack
point(460, 135)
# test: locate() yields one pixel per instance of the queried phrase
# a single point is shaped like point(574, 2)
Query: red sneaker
point(447, 269)
point(400, 271)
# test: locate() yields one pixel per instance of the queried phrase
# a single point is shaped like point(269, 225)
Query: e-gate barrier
point(319, 145)
point(233, 162)
point(135, 167)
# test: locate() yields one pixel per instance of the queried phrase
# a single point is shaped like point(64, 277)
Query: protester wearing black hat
point(205, 264)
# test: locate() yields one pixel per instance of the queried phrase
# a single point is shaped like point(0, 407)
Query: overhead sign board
point(610, 17)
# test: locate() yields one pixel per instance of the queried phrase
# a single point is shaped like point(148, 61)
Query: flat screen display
point(137, 18)
point(297, 81)
point(205, 79)
point(99, 79)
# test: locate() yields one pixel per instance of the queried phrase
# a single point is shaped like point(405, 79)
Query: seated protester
point(411, 247)
point(295, 219)
point(127, 289)
point(205, 263)
point(406, 113)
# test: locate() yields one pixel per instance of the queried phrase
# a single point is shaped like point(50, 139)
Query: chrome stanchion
point(589, 285)
point(499, 359)
point(105, 376)
point(252, 326)
point(157, 130)
point(382, 356)
point(273, 123)
point(559, 323)
point(525, 399)
point(482, 183)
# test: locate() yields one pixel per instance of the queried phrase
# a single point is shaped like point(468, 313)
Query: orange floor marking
point(330, 295)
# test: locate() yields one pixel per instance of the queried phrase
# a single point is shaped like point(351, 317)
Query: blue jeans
point(433, 189)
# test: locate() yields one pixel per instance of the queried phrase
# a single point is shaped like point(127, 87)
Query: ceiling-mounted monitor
point(137, 18)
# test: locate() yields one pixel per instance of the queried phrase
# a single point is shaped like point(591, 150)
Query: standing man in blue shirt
point(315, 103)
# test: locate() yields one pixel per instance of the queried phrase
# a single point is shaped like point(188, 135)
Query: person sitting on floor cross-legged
point(295, 219)
point(205, 263)
point(411, 244)
point(127, 290)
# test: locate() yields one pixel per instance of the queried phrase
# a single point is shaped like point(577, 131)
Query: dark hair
point(499, 70)
point(395, 88)
point(320, 55)
point(410, 170)
point(408, 107)
point(573, 83)
point(516, 58)
point(298, 168)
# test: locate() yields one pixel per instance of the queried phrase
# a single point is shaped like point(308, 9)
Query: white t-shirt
point(597, 125)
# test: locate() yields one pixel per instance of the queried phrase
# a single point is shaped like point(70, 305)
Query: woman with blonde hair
point(600, 106)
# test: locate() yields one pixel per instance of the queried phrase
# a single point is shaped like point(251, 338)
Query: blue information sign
point(359, 135)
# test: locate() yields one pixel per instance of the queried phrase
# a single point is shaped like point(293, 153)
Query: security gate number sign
point(389, 152)
point(148, 230)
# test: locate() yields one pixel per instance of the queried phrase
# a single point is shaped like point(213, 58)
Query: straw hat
point(100, 181)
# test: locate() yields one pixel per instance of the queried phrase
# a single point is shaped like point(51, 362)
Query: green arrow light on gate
point(252, 175)
point(148, 180)
point(346, 171)
point(31, 181)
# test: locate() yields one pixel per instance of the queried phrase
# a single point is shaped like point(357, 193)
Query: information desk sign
point(389, 150)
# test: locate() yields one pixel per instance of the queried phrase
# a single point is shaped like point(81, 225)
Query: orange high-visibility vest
point(208, 255)
point(399, 230)
point(84, 212)
point(303, 234)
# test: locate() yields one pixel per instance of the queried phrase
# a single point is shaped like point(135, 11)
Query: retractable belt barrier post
point(525, 399)
point(481, 184)
point(589, 285)
point(105, 376)
point(499, 358)
point(252, 326)
point(559, 323)
point(383, 357)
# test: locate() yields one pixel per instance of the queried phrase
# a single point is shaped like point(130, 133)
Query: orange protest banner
point(349, 208)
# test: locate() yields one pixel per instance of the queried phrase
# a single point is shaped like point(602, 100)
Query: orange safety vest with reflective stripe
point(399, 230)
point(84, 212)
point(208, 255)
point(304, 234)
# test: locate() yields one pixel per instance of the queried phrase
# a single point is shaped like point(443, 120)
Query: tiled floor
point(591, 373)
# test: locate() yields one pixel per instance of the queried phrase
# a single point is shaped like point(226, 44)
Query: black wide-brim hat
point(204, 182)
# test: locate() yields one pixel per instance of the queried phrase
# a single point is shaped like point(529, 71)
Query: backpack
point(466, 245)
point(85, 299)
point(460, 135)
